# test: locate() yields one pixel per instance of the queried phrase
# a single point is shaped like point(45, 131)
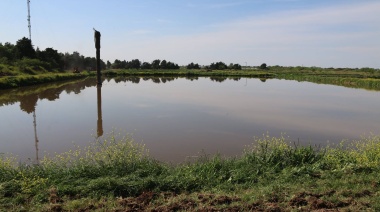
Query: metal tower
point(29, 26)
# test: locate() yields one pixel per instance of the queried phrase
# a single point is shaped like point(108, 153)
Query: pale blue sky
point(324, 33)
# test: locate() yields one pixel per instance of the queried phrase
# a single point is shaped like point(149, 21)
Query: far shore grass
point(366, 78)
point(117, 174)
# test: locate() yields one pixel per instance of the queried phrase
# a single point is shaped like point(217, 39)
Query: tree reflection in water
point(29, 96)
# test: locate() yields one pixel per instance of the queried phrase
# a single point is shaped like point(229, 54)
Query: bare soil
point(202, 202)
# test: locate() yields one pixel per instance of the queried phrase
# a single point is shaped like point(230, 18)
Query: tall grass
point(118, 166)
point(351, 82)
point(363, 154)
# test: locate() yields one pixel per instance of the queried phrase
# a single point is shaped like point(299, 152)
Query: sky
point(322, 33)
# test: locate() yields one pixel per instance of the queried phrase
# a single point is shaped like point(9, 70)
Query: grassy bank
point(27, 80)
point(366, 78)
point(354, 78)
point(117, 174)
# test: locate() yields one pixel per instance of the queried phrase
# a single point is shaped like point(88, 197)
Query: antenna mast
point(29, 26)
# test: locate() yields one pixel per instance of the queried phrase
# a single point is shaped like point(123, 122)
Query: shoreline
point(349, 78)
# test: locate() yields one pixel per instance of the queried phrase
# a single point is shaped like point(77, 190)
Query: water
point(178, 118)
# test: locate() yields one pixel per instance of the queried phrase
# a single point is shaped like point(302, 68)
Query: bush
point(32, 66)
point(263, 66)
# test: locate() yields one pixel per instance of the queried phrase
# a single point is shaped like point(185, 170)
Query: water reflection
point(29, 96)
point(191, 78)
point(182, 117)
point(35, 136)
point(100, 118)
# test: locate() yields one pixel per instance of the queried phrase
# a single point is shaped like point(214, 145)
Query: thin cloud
point(322, 37)
point(363, 14)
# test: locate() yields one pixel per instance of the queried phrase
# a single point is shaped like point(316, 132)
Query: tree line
point(24, 56)
point(137, 64)
point(27, 58)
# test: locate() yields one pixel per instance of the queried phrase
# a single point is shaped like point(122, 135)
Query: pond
point(181, 118)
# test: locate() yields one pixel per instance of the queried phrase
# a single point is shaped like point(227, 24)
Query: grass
point(28, 80)
point(117, 173)
point(354, 78)
point(32, 73)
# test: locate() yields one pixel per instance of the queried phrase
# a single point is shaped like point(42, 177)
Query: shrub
point(263, 66)
point(32, 66)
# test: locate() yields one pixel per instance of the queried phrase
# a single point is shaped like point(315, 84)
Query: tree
point(171, 65)
point(24, 48)
point(193, 66)
point(52, 57)
point(7, 52)
point(108, 64)
point(135, 64)
point(146, 65)
point(116, 64)
point(156, 64)
point(234, 66)
point(89, 63)
point(263, 66)
point(164, 64)
point(123, 64)
point(218, 66)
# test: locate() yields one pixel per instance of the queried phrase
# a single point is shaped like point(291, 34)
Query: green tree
point(193, 66)
point(52, 57)
point(135, 64)
point(24, 48)
point(146, 65)
point(156, 64)
point(171, 65)
point(124, 64)
point(263, 66)
point(234, 66)
point(164, 64)
point(89, 63)
point(116, 64)
point(7, 52)
point(218, 66)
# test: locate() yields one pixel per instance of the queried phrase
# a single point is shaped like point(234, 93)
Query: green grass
point(32, 73)
point(28, 80)
point(117, 174)
point(354, 78)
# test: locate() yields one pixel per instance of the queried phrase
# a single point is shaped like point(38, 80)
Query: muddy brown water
point(179, 119)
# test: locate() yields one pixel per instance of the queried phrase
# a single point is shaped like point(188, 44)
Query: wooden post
point(98, 68)
point(99, 83)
